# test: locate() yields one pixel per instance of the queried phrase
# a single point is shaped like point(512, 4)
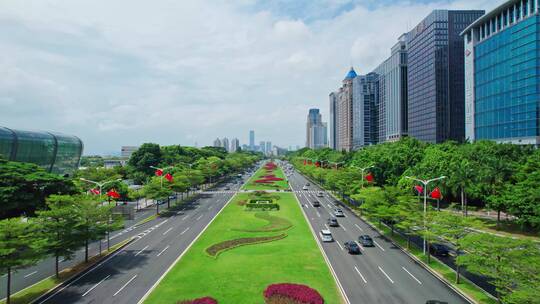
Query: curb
point(60, 286)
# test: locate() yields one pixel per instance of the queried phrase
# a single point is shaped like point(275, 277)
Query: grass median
point(277, 185)
point(241, 273)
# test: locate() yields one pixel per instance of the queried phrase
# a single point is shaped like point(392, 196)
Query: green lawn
point(281, 185)
point(240, 275)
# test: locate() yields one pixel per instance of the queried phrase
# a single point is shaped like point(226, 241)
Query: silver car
point(326, 235)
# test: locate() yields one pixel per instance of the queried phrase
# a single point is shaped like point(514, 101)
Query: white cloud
point(124, 72)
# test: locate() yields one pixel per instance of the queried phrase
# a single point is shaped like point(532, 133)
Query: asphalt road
point(28, 276)
point(380, 274)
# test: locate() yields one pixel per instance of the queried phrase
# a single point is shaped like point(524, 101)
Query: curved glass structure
point(54, 152)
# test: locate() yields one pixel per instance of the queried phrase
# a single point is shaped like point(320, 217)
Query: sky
point(126, 72)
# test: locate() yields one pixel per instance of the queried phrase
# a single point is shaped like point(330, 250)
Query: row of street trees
point(486, 173)
point(68, 223)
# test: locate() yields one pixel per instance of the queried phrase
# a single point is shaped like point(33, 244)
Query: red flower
point(205, 300)
point(301, 293)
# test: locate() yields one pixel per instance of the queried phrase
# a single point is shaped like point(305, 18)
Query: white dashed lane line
point(136, 254)
point(200, 216)
point(378, 245)
point(166, 231)
point(389, 279)
point(124, 286)
point(411, 275)
point(184, 231)
point(359, 227)
point(163, 250)
point(339, 245)
point(31, 273)
point(360, 274)
point(88, 291)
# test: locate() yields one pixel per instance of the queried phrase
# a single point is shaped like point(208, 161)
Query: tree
point(154, 190)
point(91, 224)
point(24, 187)
point(512, 265)
point(453, 228)
point(147, 155)
point(20, 246)
point(58, 226)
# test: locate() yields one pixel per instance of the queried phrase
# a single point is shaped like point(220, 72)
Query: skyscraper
point(225, 143)
point(235, 144)
point(436, 101)
point(268, 147)
point(252, 140)
point(365, 111)
point(262, 147)
point(392, 87)
point(344, 115)
point(217, 143)
point(333, 127)
point(502, 54)
point(316, 134)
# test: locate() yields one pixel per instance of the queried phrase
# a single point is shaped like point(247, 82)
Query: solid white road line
point(124, 286)
point(389, 279)
point(339, 245)
point(166, 231)
point(343, 227)
point(359, 227)
point(411, 275)
point(359, 246)
point(184, 231)
point(31, 273)
point(136, 254)
point(163, 250)
point(84, 294)
point(378, 245)
point(318, 214)
point(358, 271)
point(200, 216)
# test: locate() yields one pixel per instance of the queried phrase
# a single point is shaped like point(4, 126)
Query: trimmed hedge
point(216, 249)
point(259, 206)
point(301, 293)
point(205, 300)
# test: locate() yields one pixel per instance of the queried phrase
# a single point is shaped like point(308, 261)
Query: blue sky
point(178, 72)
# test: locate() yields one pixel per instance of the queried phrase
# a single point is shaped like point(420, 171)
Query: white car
point(304, 188)
point(326, 235)
point(320, 194)
point(338, 212)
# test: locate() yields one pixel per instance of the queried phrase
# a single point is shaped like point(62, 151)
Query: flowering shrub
point(301, 293)
point(205, 300)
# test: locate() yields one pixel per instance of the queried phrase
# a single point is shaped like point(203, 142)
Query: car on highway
point(326, 235)
point(316, 204)
point(338, 212)
point(320, 194)
point(332, 222)
point(365, 240)
point(438, 249)
point(352, 247)
point(304, 188)
point(226, 188)
point(308, 184)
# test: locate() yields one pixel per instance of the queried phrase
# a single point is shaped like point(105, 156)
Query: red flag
point(169, 177)
point(436, 193)
point(317, 164)
point(159, 172)
point(94, 191)
point(419, 189)
point(369, 177)
point(309, 162)
point(112, 193)
point(305, 162)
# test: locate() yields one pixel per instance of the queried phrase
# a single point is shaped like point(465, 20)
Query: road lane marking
point(136, 254)
point(124, 286)
point(31, 273)
point(210, 208)
point(358, 271)
point(329, 206)
point(84, 294)
point(389, 279)
point(326, 226)
point(184, 231)
point(361, 248)
point(162, 250)
point(167, 230)
point(378, 245)
point(359, 227)
point(339, 245)
point(185, 217)
point(411, 275)
point(318, 214)
point(343, 227)
point(200, 216)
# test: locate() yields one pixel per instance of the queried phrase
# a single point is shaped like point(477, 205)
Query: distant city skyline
point(114, 81)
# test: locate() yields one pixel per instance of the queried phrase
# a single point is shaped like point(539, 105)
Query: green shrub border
point(243, 242)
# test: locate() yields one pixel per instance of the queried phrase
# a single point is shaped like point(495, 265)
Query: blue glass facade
point(507, 78)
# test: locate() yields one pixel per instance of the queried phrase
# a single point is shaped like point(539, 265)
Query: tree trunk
point(86, 251)
point(465, 195)
point(99, 246)
point(428, 253)
point(457, 273)
point(56, 266)
point(462, 202)
point(168, 202)
point(8, 292)
point(408, 241)
point(157, 207)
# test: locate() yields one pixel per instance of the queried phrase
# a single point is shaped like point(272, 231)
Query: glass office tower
point(502, 52)
point(54, 152)
point(435, 78)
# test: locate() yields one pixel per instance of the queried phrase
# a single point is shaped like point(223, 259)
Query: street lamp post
point(425, 183)
point(364, 170)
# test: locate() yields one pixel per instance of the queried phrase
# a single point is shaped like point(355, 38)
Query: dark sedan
point(366, 240)
point(352, 247)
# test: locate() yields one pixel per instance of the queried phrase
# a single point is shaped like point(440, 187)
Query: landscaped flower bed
point(275, 223)
point(302, 294)
point(216, 249)
point(205, 300)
